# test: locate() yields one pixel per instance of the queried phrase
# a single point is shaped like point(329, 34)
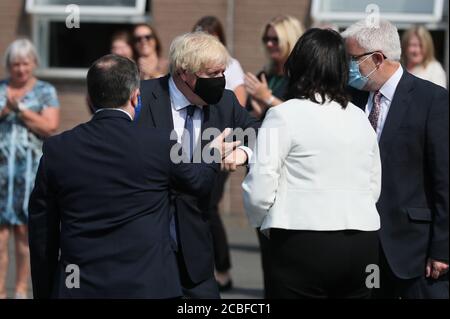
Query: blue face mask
point(137, 109)
point(356, 79)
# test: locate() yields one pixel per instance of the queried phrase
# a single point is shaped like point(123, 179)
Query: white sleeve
point(234, 75)
point(261, 184)
point(439, 76)
point(375, 179)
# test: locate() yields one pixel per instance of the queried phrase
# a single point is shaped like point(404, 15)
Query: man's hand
point(237, 158)
point(435, 268)
point(225, 148)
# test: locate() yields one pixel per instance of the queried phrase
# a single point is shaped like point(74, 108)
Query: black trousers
point(222, 258)
point(321, 264)
point(264, 244)
point(393, 287)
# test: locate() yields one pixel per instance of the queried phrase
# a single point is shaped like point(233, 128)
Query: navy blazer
point(102, 202)
point(414, 199)
point(193, 221)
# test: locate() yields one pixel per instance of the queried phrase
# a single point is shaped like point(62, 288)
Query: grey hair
point(382, 37)
point(20, 48)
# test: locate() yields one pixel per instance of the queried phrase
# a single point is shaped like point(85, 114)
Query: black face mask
point(210, 89)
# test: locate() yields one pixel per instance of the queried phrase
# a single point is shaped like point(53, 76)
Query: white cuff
point(248, 151)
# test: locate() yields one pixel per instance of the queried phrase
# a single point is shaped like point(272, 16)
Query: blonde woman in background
point(418, 56)
point(269, 87)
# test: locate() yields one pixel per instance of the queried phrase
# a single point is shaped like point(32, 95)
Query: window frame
point(41, 39)
point(435, 17)
point(138, 9)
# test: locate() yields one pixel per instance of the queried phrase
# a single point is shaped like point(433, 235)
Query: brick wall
point(171, 18)
point(174, 17)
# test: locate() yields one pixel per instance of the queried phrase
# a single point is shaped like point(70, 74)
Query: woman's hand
point(12, 104)
point(257, 89)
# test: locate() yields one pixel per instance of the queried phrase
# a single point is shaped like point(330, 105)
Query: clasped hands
point(12, 105)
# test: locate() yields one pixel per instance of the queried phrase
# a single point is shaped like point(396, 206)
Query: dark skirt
point(321, 264)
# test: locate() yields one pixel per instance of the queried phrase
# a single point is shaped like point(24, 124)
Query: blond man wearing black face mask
point(192, 99)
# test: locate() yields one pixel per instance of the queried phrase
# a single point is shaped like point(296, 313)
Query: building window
point(68, 52)
point(95, 7)
point(417, 11)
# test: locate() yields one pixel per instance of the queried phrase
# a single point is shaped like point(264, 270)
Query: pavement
point(245, 257)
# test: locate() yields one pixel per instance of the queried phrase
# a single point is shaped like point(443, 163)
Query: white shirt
point(114, 109)
point(387, 91)
point(316, 167)
point(234, 75)
point(179, 111)
point(434, 72)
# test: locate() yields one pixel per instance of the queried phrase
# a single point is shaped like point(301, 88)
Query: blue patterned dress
point(20, 152)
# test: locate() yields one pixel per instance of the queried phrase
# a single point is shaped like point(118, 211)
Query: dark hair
point(111, 80)
point(158, 46)
point(318, 64)
point(211, 25)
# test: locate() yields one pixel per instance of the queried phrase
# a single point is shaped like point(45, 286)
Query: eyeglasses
point(357, 57)
point(266, 39)
point(147, 37)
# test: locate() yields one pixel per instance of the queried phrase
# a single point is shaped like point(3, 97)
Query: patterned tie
point(375, 112)
point(188, 141)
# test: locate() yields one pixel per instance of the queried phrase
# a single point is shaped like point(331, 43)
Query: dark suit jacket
point(193, 228)
point(414, 199)
point(101, 198)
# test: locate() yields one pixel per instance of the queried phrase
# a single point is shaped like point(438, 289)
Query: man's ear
point(378, 59)
point(135, 98)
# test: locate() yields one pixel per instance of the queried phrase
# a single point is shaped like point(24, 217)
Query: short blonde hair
point(288, 29)
point(197, 51)
point(426, 42)
point(20, 48)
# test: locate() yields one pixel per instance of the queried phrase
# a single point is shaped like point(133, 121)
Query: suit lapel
point(160, 106)
point(397, 111)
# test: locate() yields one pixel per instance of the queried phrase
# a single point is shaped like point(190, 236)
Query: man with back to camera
point(101, 199)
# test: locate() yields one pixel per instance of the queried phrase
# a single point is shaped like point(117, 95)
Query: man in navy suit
point(192, 98)
point(100, 208)
point(411, 118)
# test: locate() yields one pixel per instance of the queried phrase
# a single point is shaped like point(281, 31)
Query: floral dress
point(20, 152)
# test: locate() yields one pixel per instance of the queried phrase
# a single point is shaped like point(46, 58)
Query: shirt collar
point(179, 101)
point(114, 109)
point(388, 89)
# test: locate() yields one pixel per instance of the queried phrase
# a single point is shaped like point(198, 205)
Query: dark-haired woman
point(316, 178)
point(148, 52)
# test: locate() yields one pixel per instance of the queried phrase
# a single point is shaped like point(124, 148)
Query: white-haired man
point(411, 118)
point(190, 100)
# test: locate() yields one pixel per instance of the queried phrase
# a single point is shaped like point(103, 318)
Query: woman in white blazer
point(315, 178)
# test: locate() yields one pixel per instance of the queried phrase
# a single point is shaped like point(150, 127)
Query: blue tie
point(189, 126)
